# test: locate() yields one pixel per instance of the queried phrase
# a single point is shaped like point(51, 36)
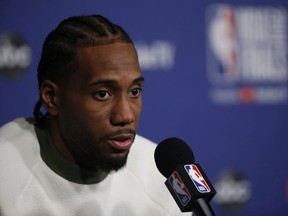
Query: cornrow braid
point(59, 52)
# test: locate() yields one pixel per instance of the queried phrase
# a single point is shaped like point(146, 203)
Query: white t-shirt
point(28, 187)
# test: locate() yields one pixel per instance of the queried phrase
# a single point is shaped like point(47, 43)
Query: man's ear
point(49, 93)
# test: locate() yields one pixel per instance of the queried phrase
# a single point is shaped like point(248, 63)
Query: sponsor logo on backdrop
point(247, 54)
point(157, 55)
point(15, 55)
point(233, 191)
point(179, 187)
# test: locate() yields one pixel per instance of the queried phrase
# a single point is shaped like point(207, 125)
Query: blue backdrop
point(216, 77)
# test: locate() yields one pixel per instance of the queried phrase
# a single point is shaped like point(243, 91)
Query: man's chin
point(109, 164)
point(115, 163)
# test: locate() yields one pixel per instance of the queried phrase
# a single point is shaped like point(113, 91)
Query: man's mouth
point(121, 142)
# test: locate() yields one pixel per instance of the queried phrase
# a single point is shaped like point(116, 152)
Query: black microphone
point(186, 181)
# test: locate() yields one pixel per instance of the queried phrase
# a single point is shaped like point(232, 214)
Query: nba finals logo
point(223, 42)
point(179, 188)
point(197, 178)
point(247, 54)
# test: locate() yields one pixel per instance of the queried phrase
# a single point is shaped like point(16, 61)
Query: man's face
point(100, 105)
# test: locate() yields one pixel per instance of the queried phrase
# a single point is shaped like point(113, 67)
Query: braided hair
point(59, 53)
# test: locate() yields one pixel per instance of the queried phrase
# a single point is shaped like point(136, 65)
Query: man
point(82, 156)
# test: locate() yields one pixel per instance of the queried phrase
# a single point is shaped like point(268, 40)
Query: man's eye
point(136, 92)
point(102, 95)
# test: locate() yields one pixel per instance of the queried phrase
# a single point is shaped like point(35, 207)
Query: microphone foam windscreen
point(171, 153)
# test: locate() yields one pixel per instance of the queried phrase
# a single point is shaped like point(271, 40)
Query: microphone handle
point(202, 208)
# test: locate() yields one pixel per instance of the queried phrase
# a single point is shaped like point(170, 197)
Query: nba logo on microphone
point(197, 178)
point(179, 188)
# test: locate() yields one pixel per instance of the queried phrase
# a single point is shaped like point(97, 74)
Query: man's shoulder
point(17, 137)
point(141, 158)
point(16, 127)
point(19, 153)
point(141, 165)
point(144, 143)
point(143, 150)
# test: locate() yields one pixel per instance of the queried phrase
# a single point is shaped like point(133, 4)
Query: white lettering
point(11, 56)
point(262, 37)
point(160, 55)
point(231, 191)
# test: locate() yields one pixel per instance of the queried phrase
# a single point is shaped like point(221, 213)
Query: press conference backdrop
point(216, 76)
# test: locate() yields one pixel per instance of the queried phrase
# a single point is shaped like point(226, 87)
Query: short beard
point(109, 164)
point(94, 159)
point(101, 162)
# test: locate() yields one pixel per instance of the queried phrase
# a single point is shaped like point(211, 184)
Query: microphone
point(186, 181)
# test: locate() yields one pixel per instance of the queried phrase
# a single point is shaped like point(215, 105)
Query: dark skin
point(94, 116)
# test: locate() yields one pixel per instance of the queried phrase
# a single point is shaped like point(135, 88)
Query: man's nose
point(122, 112)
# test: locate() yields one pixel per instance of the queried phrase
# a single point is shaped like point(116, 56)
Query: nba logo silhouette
point(179, 188)
point(197, 178)
point(223, 44)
